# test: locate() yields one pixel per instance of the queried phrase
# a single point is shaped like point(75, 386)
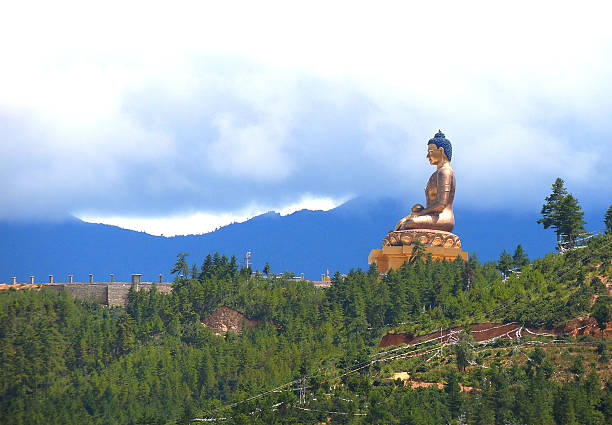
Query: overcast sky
point(179, 117)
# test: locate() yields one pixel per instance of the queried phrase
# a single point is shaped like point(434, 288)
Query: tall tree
point(601, 313)
point(519, 258)
point(572, 220)
point(608, 220)
point(562, 212)
point(180, 267)
point(464, 349)
point(505, 263)
point(468, 272)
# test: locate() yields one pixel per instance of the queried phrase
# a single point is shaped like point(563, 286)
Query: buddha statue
point(428, 226)
point(437, 214)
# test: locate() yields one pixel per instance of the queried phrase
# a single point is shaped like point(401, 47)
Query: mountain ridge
point(305, 241)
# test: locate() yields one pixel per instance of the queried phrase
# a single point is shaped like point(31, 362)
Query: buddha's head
point(439, 148)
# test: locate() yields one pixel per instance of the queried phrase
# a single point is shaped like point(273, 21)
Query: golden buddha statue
point(439, 192)
point(429, 225)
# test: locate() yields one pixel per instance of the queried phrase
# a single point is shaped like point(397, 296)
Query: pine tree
point(180, 267)
point(464, 350)
point(519, 258)
point(550, 209)
point(468, 272)
point(601, 313)
point(608, 220)
point(505, 263)
point(572, 222)
point(562, 212)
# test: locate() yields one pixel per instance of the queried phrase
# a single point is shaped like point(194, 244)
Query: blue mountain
point(308, 242)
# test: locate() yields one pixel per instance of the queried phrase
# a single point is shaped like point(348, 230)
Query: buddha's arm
point(443, 187)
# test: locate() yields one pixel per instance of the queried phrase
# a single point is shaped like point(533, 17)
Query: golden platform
point(393, 257)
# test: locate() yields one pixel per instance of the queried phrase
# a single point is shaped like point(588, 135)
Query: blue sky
point(181, 117)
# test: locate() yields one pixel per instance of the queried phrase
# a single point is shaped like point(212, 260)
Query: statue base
point(424, 236)
point(398, 247)
point(394, 257)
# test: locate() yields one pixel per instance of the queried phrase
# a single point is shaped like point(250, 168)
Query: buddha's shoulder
point(444, 172)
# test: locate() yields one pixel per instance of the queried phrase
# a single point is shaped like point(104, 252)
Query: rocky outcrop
point(583, 326)
point(225, 319)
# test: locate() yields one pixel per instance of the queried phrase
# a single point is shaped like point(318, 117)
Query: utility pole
point(303, 391)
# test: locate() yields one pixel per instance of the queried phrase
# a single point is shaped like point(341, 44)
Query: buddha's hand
point(417, 208)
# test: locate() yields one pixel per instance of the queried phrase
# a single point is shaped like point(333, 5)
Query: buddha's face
point(435, 154)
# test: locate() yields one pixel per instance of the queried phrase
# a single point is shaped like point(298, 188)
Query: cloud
point(199, 222)
point(147, 110)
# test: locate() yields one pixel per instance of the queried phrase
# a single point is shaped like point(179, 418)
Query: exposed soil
point(225, 319)
point(405, 377)
point(488, 330)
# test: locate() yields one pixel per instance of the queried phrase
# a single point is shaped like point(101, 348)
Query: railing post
point(112, 278)
point(90, 278)
point(70, 278)
point(50, 278)
point(160, 278)
point(14, 280)
point(31, 280)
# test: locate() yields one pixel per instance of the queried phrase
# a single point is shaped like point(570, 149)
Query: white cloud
point(202, 222)
point(155, 109)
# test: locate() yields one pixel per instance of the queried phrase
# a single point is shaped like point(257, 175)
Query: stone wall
point(117, 293)
point(109, 294)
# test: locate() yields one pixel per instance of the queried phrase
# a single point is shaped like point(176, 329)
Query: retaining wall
point(106, 293)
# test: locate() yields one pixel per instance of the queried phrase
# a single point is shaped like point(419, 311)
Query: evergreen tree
point(180, 267)
point(519, 258)
point(562, 212)
point(572, 224)
point(551, 208)
point(601, 312)
point(453, 390)
point(207, 268)
point(505, 263)
point(464, 349)
point(468, 272)
point(608, 220)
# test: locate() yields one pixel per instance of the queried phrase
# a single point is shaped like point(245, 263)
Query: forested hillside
point(313, 357)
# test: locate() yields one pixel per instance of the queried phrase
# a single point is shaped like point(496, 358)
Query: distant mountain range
point(308, 242)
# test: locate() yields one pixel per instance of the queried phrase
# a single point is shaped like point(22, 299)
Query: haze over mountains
point(308, 242)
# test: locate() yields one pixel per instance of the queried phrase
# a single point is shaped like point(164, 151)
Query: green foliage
point(505, 263)
point(67, 361)
point(180, 267)
point(601, 312)
point(464, 349)
point(562, 212)
point(608, 220)
point(519, 258)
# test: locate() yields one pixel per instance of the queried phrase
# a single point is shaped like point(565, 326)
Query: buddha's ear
point(441, 149)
